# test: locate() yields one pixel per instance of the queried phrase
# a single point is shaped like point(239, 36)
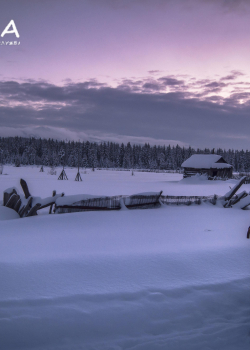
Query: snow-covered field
point(171, 278)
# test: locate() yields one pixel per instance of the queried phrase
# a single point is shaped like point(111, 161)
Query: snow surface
point(8, 214)
point(175, 277)
point(205, 161)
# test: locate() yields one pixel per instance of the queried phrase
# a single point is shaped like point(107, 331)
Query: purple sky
point(160, 71)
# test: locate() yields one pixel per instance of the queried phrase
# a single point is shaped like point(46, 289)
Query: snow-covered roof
point(205, 161)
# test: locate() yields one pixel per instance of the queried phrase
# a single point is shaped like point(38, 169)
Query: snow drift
point(172, 278)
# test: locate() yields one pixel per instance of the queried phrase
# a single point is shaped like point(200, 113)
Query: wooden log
point(245, 206)
point(12, 201)
point(25, 188)
point(15, 201)
point(23, 211)
point(238, 198)
point(235, 188)
point(248, 232)
point(7, 195)
point(51, 206)
point(18, 205)
point(33, 210)
point(77, 208)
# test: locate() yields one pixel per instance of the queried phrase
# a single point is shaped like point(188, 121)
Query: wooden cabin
point(211, 164)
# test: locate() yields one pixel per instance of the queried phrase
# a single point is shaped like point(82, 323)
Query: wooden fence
point(187, 200)
point(102, 203)
point(28, 206)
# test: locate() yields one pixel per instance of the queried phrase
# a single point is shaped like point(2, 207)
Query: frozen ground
point(171, 278)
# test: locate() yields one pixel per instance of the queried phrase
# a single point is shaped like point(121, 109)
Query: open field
point(175, 277)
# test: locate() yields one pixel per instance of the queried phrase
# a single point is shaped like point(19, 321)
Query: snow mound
point(8, 214)
point(196, 179)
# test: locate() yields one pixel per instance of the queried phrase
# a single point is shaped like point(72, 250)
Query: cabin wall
point(223, 173)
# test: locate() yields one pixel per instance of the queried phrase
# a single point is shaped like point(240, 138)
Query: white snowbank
point(45, 201)
point(195, 179)
point(10, 189)
point(7, 214)
point(174, 278)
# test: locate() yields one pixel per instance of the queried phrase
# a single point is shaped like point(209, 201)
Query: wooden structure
point(77, 203)
point(26, 205)
point(78, 175)
point(86, 204)
point(63, 175)
point(213, 165)
point(142, 200)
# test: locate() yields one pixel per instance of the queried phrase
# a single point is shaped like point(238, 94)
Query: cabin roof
point(206, 161)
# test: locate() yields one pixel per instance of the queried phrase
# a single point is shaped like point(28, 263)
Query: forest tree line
point(48, 152)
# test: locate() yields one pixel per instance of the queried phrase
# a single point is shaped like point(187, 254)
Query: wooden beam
point(33, 210)
point(25, 188)
point(51, 205)
point(7, 195)
point(235, 188)
point(24, 210)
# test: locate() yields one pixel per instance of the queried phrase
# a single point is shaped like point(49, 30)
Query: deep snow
point(173, 278)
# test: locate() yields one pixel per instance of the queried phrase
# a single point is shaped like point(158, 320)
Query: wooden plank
point(33, 210)
point(15, 201)
point(77, 208)
point(143, 200)
point(7, 195)
point(18, 205)
point(245, 206)
point(12, 201)
point(51, 205)
point(235, 188)
point(238, 198)
point(23, 211)
point(25, 188)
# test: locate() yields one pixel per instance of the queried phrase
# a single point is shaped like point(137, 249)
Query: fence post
point(248, 232)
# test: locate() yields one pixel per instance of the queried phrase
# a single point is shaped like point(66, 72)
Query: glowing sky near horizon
point(112, 41)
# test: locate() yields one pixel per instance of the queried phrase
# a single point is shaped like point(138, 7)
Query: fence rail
point(102, 203)
point(28, 205)
point(187, 200)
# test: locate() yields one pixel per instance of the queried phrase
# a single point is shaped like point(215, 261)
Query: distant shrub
point(17, 163)
point(52, 171)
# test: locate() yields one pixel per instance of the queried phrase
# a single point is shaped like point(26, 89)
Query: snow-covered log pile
point(26, 205)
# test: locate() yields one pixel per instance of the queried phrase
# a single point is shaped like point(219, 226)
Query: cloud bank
point(156, 109)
